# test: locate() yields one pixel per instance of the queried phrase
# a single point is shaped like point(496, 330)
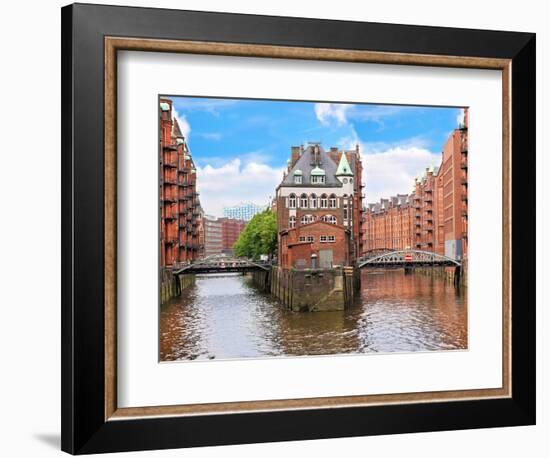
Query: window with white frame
point(327, 239)
point(292, 201)
point(303, 201)
point(310, 238)
point(324, 201)
point(331, 238)
point(292, 222)
point(330, 219)
point(306, 219)
point(332, 201)
point(313, 201)
point(297, 179)
point(318, 179)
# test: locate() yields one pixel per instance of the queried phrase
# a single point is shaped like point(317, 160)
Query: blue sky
point(241, 146)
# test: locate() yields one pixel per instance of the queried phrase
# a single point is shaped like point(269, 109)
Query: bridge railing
point(407, 258)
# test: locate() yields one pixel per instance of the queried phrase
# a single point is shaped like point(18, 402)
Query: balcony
point(170, 216)
point(169, 199)
point(464, 197)
point(170, 181)
point(464, 164)
point(171, 164)
point(464, 181)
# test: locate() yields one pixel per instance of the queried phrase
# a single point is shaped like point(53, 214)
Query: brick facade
point(181, 213)
point(434, 217)
point(320, 196)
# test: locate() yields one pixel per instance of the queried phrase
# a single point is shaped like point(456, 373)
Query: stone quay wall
point(449, 274)
point(315, 290)
point(172, 286)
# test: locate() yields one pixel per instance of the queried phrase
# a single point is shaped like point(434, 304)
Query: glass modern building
point(243, 211)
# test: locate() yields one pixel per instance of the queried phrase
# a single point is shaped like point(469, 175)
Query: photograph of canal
point(304, 228)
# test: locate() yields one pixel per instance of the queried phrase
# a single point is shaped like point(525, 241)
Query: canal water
point(224, 316)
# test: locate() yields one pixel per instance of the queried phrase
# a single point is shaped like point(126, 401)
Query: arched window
point(330, 219)
point(303, 201)
point(292, 201)
point(307, 219)
point(292, 222)
point(313, 201)
point(332, 201)
point(324, 201)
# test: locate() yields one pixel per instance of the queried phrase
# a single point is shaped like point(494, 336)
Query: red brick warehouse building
point(181, 234)
point(434, 217)
point(319, 208)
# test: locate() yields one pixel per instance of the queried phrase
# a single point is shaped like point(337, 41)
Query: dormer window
point(317, 179)
point(297, 177)
point(317, 176)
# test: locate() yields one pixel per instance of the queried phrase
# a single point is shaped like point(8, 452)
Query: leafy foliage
point(258, 237)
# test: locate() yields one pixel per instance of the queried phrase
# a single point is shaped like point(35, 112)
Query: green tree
point(258, 237)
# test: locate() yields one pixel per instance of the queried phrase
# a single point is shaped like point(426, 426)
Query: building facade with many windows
point(319, 208)
point(220, 234)
point(434, 217)
point(180, 209)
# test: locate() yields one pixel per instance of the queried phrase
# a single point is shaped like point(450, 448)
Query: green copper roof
point(298, 172)
point(344, 167)
point(179, 141)
point(318, 171)
point(187, 157)
point(164, 106)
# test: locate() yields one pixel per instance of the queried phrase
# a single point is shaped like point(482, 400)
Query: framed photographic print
point(285, 228)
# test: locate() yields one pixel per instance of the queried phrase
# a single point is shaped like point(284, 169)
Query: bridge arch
point(404, 258)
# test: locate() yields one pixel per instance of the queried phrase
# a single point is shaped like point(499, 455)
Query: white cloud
point(392, 171)
point(344, 113)
point(460, 117)
point(234, 182)
point(326, 112)
point(216, 136)
point(184, 125)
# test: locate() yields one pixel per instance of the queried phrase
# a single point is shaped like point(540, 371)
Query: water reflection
point(226, 317)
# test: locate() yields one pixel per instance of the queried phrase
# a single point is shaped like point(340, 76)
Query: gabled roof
point(177, 130)
point(306, 165)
